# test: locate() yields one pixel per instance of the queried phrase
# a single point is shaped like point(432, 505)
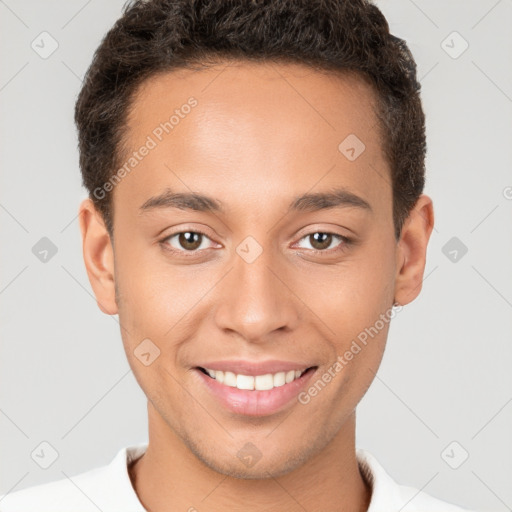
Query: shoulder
point(387, 494)
point(58, 495)
point(103, 488)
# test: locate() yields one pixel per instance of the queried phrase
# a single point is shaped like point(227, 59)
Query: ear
point(98, 256)
point(412, 250)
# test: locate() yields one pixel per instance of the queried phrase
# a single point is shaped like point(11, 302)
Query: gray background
point(446, 373)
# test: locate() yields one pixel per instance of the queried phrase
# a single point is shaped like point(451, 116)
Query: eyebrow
point(309, 202)
point(339, 197)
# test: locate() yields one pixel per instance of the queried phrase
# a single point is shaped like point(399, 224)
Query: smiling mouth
point(255, 382)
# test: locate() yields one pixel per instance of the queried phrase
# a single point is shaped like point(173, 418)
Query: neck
point(168, 477)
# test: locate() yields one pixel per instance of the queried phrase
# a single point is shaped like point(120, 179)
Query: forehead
point(253, 124)
point(238, 90)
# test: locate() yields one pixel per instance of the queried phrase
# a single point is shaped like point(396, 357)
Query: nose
point(256, 300)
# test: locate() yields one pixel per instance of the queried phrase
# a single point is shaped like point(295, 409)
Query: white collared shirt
point(109, 489)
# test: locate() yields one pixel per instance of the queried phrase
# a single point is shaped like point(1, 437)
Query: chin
point(264, 468)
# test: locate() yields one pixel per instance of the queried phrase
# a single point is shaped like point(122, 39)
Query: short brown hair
point(155, 36)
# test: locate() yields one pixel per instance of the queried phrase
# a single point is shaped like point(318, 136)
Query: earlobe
point(412, 250)
point(98, 256)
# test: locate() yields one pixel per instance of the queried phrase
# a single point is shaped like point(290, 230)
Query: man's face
point(266, 281)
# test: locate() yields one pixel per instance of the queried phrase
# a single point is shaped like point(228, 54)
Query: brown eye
point(187, 241)
point(190, 240)
point(322, 241)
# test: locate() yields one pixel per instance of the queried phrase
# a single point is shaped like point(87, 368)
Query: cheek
point(354, 306)
point(351, 296)
point(155, 295)
point(339, 386)
point(160, 303)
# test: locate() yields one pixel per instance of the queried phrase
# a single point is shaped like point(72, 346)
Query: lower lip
point(253, 402)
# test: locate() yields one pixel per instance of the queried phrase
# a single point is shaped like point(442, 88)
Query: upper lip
point(254, 367)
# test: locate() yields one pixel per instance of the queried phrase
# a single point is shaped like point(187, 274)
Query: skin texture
point(260, 135)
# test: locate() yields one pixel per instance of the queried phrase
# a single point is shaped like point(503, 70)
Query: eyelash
point(190, 254)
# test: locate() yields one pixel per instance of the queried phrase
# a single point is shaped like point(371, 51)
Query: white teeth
point(259, 382)
point(279, 379)
point(263, 382)
point(244, 381)
point(230, 379)
point(290, 376)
